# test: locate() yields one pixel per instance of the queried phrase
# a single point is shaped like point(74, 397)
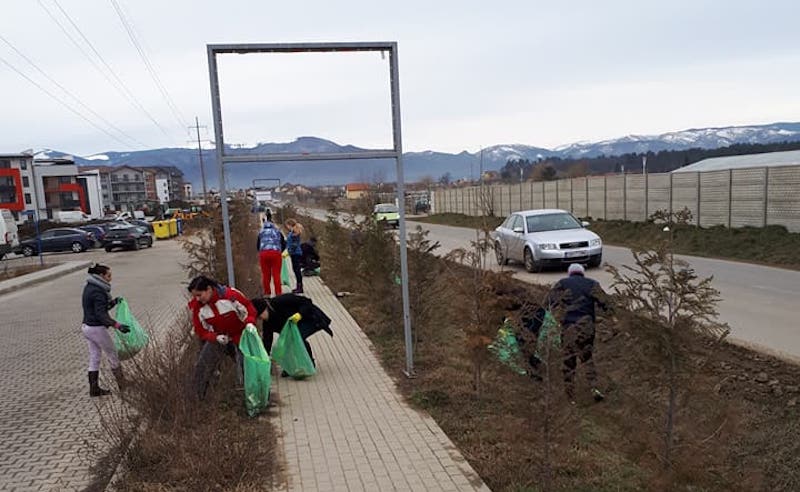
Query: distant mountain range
point(420, 164)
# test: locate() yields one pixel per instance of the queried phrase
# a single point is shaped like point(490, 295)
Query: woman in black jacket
point(96, 303)
point(274, 313)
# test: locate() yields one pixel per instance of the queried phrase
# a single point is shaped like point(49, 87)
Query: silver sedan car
point(548, 237)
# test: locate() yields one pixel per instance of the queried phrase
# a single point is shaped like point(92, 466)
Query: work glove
point(123, 328)
point(296, 317)
point(113, 302)
point(223, 339)
point(285, 253)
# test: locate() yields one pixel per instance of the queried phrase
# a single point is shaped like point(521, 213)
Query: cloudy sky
point(472, 73)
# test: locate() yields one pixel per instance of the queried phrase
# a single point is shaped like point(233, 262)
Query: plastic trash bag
point(290, 351)
point(551, 330)
point(506, 347)
point(257, 377)
point(131, 343)
point(286, 267)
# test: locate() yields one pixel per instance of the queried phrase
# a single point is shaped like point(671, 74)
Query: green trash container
point(160, 229)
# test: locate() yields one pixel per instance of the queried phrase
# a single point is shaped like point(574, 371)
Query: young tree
point(667, 292)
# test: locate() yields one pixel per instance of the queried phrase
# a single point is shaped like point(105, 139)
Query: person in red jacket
point(219, 316)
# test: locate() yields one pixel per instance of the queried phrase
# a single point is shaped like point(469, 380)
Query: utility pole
point(197, 127)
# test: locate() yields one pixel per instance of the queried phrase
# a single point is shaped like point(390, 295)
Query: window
point(23, 164)
point(65, 179)
point(516, 222)
point(25, 181)
point(5, 163)
point(28, 198)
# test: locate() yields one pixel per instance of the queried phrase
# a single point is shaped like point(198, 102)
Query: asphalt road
point(758, 302)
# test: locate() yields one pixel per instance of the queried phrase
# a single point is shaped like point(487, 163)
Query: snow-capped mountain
point(421, 164)
point(705, 138)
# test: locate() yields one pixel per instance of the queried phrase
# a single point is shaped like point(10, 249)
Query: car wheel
point(531, 265)
point(136, 245)
point(108, 249)
point(150, 243)
point(27, 251)
point(595, 261)
point(498, 253)
point(77, 247)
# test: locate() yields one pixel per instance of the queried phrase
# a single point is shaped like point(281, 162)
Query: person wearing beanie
point(97, 301)
point(572, 300)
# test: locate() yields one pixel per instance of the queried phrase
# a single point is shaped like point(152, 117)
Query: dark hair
point(201, 282)
point(98, 269)
point(261, 304)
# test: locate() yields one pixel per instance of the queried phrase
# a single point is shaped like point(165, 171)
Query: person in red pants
point(270, 244)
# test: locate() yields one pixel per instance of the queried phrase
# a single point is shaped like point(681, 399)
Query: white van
point(71, 217)
point(9, 239)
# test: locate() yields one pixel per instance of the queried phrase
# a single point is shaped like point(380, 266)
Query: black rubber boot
point(94, 385)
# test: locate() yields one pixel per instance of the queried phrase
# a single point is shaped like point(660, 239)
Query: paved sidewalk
point(47, 420)
point(348, 428)
point(53, 271)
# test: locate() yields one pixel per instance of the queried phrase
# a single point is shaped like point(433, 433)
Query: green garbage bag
point(290, 351)
point(286, 267)
point(257, 378)
point(550, 331)
point(131, 343)
point(506, 348)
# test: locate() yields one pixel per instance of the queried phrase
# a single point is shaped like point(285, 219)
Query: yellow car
point(387, 214)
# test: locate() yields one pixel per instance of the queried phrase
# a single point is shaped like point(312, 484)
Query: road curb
point(34, 278)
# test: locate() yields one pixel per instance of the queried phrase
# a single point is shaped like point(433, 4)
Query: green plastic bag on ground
point(290, 351)
point(286, 267)
point(257, 377)
point(506, 348)
point(131, 343)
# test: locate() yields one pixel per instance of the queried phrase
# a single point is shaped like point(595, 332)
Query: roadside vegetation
point(162, 438)
point(684, 410)
point(771, 245)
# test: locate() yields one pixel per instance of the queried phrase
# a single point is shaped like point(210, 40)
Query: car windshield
point(551, 222)
point(384, 209)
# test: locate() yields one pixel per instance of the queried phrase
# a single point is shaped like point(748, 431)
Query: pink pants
point(100, 341)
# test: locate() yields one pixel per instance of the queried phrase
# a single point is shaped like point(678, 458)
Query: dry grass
point(161, 436)
point(733, 433)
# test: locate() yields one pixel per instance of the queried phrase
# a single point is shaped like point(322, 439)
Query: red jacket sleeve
point(244, 301)
point(201, 332)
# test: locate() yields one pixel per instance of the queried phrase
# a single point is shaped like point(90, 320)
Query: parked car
point(387, 214)
point(142, 223)
point(98, 231)
point(133, 237)
point(8, 232)
point(71, 216)
point(549, 237)
point(60, 239)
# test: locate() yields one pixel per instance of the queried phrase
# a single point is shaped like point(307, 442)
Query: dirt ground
point(736, 427)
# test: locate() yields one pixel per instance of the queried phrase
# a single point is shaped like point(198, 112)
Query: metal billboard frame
point(395, 153)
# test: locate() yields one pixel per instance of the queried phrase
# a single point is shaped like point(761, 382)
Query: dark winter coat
point(285, 305)
point(575, 298)
point(96, 302)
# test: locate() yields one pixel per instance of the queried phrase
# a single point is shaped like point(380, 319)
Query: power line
point(128, 25)
point(71, 95)
point(119, 84)
point(60, 101)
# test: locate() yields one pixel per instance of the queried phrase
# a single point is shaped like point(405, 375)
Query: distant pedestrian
point(219, 316)
point(293, 240)
point(270, 245)
point(97, 301)
point(573, 301)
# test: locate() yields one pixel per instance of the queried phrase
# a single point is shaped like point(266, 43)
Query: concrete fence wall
point(733, 198)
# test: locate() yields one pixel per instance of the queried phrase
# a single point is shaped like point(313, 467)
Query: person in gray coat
point(97, 301)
